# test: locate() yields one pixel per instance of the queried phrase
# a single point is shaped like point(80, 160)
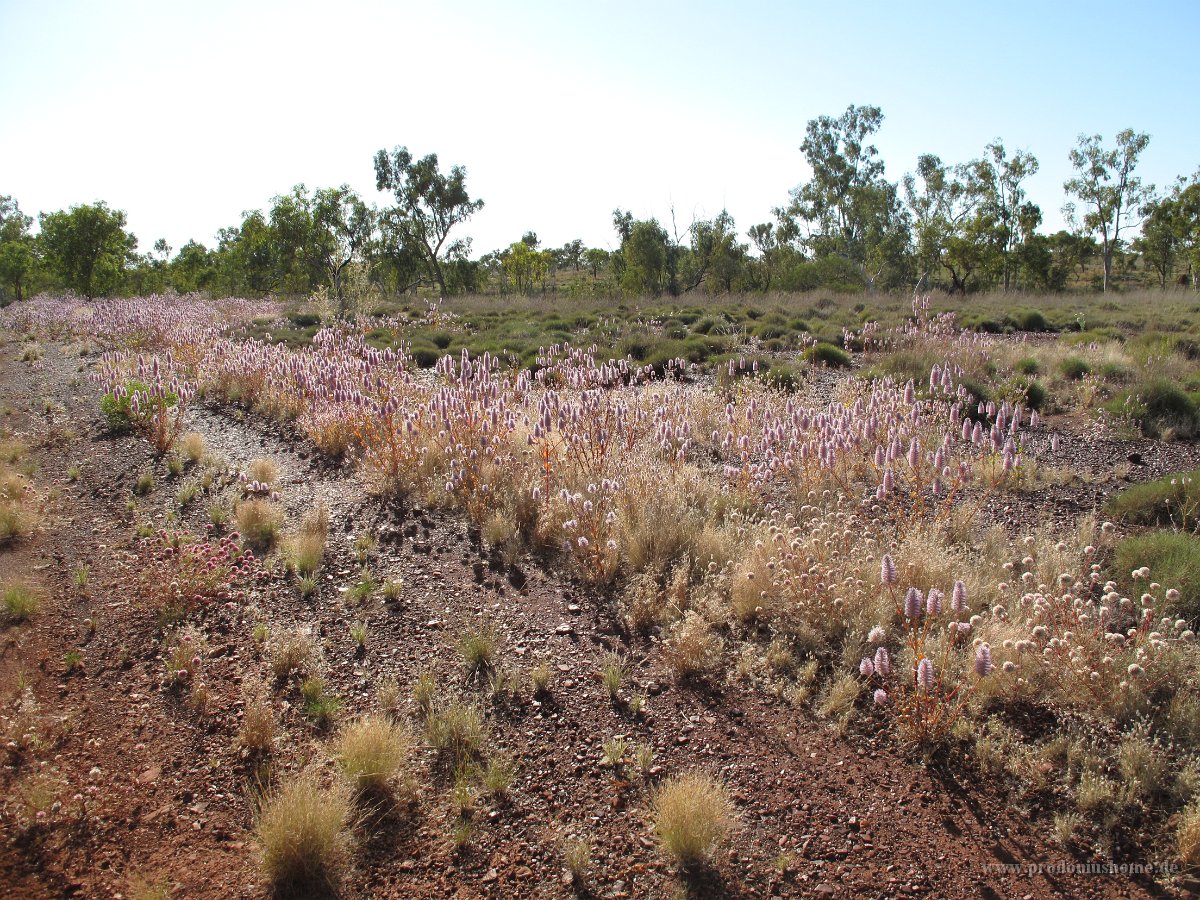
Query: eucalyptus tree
point(86, 248)
point(18, 260)
point(1105, 184)
point(429, 204)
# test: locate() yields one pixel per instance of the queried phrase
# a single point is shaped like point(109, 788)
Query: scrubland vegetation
point(797, 497)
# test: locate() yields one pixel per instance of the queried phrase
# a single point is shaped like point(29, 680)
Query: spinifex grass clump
point(1173, 500)
point(371, 752)
point(305, 833)
point(306, 548)
point(259, 522)
point(693, 815)
point(182, 571)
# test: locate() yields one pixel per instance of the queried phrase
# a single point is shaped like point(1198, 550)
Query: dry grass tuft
point(693, 815)
point(258, 521)
point(456, 730)
point(21, 601)
point(371, 752)
point(263, 470)
point(304, 830)
point(257, 733)
point(292, 652)
point(191, 447)
point(694, 651)
point(306, 548)
point(1187, 837)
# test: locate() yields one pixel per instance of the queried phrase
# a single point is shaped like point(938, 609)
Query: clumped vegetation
point(305, 833)
point(693, 815)
point(830, 539)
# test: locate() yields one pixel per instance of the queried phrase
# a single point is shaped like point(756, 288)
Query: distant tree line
point(958, 227)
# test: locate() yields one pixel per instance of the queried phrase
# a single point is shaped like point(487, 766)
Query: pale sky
point(186, 114)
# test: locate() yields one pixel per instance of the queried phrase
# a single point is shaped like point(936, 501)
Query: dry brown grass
point(693, 814)
point(1187, 837)
point(257, 733)
point(264, 470)
point(304, 831)
point(372, 752)
point(306, 548)
point(258, 521)
point(292, 652)
point(693, 650)
point(191, 447)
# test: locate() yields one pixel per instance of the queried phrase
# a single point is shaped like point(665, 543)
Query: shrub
point(1028, 366)
point(827, 355)
point(1164, 409)
point(1074, 367)
point(258, 521)
point(1032, 320)
point(371, 751)
point(1035, 395)
point(692, 816)
point(20, 601)
point(305, 834)
point(1173, 559)
point(1173, 500)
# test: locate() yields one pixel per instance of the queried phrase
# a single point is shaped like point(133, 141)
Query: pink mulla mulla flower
point(877, 635)
point(925, 674)
point(983, 660)
point(889, 481)
point(933, 603)
point(883, 662)
point(881, 697)
point(887, 570)
point(958, 597)
point(912, 603)
point(866, 668)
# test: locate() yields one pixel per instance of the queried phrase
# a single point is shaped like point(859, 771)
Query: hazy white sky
point(185, 115)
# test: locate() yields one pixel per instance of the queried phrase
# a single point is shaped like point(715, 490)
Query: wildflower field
point(814, 599)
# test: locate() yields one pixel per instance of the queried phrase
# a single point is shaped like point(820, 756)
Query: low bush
point(1173, 500)
point(827, 355)
point(1074, 367)
point(1167, 410)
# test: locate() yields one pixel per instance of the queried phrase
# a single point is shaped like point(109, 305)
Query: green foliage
point(827, 355)
point(86, 249)
point(1032, 320)
point(1173, 500)
point(1028, 366)
point(1074, 367)
point(1173, 559)
point(428, 206)
point(1162, 408)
